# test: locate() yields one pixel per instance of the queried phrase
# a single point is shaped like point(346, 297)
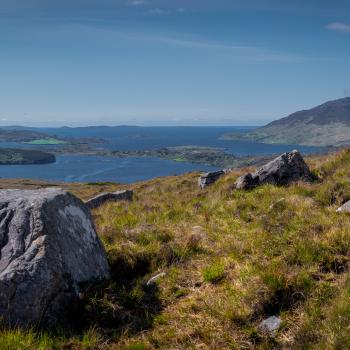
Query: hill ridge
point(327, 124)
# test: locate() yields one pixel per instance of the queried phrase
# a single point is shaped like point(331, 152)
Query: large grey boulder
point(285, 169)
point(207, 179)
point(103, 198)
point(49, 255)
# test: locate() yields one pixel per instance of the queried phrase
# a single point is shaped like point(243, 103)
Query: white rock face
point(345, 208)
point(49, 254)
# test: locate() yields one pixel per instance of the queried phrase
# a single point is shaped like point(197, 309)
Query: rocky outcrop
point(103, 198)
point(345, 208)
point(207, 179)
point(270, 325)
point(285, 169)
point(50, 255)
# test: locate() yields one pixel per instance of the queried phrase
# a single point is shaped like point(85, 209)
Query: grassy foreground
point(229, 259)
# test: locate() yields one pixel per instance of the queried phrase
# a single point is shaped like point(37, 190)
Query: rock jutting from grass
point(270, 325)
point(103, 198)
point(345, 208)
point(207, 179)
point(50, 256)
point(283, 170)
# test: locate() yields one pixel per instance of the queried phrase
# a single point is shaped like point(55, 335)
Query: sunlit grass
point(228, 260)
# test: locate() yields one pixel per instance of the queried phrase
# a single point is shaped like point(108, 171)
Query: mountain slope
point(324, 125)
point(225, 261)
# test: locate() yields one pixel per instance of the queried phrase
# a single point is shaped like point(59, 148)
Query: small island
point(14, 156)
point(46, 141)
point(212, 156)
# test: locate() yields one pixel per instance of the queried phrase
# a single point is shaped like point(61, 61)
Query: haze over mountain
point(325, 125)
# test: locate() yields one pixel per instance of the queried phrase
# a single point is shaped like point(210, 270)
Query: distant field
point(46, 141)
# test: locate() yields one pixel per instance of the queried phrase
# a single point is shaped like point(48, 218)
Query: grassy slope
point(231, 259)
point(324, 125)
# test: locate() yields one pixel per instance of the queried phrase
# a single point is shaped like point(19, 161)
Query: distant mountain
point(17, 134)
point(98, 127)
point(324, 125)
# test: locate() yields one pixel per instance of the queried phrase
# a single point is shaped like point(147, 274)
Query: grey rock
point(49, 255)
point(103, 198)
point(345, 208)
point(207, 179)
point(247, 182)
point(285, 169)
point(270, 325)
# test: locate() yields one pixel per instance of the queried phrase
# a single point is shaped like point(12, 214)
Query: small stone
point(209, 178)
point(103, 198)
point(270, 325)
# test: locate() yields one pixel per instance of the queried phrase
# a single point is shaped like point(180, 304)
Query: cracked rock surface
point(49, 255)
point(283, 170)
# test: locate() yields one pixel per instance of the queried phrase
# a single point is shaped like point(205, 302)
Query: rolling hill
point(324, 125)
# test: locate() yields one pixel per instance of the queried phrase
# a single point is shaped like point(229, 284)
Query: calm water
point(72, 168)
point(92, 169)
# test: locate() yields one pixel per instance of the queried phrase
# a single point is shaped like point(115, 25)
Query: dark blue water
point(141, 138)
point(73, 168)
point(92, 169)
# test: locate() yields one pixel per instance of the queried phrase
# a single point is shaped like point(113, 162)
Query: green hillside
point(324, 125)
point(228, 258)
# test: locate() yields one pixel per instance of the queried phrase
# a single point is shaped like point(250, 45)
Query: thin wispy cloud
point(136, 2)
point(157, 12)
point(339, 27)
point(245, 53)
point(162, 11)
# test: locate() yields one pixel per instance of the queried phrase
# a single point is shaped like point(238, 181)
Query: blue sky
point(169, 62)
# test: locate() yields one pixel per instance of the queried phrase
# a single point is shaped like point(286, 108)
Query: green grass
point(214, 272)
point(46, 141)
point(230, 258)
point(180, 159)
